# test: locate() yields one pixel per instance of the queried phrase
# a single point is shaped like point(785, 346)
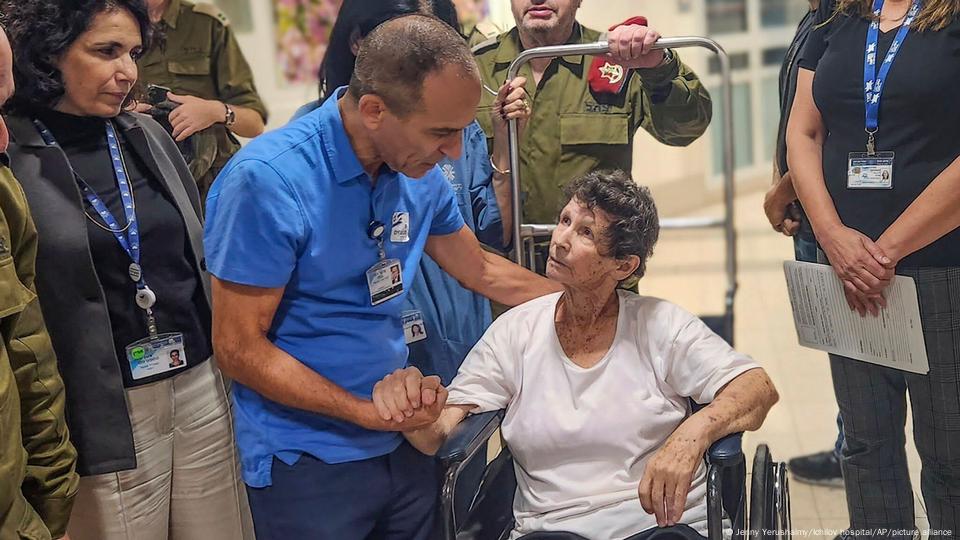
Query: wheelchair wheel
point(781, 505)
point(759, 513)
point(769, 497)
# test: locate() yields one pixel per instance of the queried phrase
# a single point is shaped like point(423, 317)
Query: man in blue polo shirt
point(308, 230)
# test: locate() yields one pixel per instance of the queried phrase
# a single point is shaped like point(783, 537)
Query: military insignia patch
point(608, 77)
point(211, 10)
point(611, 72)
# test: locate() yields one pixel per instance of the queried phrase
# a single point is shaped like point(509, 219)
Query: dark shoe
point(822, 469)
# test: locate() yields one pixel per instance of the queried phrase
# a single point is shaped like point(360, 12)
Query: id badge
point(385, 281)
point(413, 328)
point(870, 172)
point(400, 232)
point(156, 355)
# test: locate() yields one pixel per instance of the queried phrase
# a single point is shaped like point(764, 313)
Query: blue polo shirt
point(291, 210)
point(454, 318)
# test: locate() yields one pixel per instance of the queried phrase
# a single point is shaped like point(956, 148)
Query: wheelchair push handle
point(513, 138)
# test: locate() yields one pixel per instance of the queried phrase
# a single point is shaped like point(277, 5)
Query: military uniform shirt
point(198, 55)
point(38, 480)
point(574, 130)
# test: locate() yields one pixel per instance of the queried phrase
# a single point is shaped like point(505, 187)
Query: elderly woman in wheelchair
point(596, 383)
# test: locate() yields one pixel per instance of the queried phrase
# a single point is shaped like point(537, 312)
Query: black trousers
point(391, 497)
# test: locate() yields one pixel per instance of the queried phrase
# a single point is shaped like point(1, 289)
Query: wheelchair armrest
point(469, 435)
point(726, 451)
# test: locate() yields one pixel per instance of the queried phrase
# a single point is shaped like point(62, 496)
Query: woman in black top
point(899, 213)
point(119, 278)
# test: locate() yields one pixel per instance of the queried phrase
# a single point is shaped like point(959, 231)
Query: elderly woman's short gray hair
point(634, 224)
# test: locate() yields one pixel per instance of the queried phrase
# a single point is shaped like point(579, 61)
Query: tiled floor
point(687, 269)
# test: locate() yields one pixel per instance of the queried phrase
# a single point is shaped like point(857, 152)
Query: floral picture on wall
point(303, 31)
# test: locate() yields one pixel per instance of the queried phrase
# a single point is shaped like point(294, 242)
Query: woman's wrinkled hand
point(666, 479)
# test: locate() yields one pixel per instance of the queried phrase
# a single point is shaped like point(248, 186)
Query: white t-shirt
point(580, 437)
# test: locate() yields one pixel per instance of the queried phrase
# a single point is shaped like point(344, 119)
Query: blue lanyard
point(128, 237)
point(129, 241)
point(873, 82)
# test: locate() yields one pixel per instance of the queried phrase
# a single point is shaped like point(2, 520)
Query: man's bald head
point(397, 56)
point(6, 83)
point(6, 68)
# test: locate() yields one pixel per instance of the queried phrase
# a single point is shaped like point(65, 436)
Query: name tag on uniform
point(865, 171)
point(156, 355)
point(413, 328)
point(400, 232)
point(385, 281)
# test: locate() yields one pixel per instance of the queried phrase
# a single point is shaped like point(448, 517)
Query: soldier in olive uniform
point(38, 479)
point(197, 57)
point(587, 110)
point(473, 25)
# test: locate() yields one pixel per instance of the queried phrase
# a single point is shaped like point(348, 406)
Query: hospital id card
point(385, 281)
point(413, 328)
point(865, 171)
point(156, 355)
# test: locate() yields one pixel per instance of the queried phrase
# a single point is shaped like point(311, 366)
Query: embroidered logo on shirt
point(596, 107)
point(449, 172)
point(401, 227)
point(4, 249)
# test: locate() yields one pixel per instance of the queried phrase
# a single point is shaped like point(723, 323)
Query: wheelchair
point(482, 509)
point(486, 512)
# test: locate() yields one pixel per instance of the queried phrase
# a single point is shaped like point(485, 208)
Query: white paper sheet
point(824, 321)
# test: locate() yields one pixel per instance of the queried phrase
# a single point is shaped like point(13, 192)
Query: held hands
point(194, 114)
point(863, 267)
point(632, 46)
point(405, 400)
point(666, 479)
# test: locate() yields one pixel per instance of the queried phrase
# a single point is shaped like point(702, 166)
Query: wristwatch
point(231, 117)
point(667, 57)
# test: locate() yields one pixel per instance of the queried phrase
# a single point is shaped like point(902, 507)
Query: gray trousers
point(873, 405)
point(186, 485)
